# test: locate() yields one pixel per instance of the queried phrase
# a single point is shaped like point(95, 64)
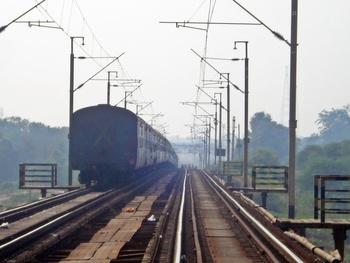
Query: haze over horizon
point(35, 60)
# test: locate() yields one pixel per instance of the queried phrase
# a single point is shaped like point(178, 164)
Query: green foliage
point(334, 124)
point(304, 202)
point(266, 133)
point(9, 159)
point(308, 154)
point(21, 197)
point(263, 157)
point(333, 158)
point(7, 187)
point(337, 149)
point(11, 196)
point(313, 139)
point(22, 141)
point(278, 204)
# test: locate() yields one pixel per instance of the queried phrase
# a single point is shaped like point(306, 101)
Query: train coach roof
point(101, 108)
point(109, 108)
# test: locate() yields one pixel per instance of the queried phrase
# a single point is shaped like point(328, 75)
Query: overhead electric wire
point(90, 31)
point(81, 85)
point(81, 13)
point(278, 35)
point(197, 10)
point(2, 28)
point(94, 41)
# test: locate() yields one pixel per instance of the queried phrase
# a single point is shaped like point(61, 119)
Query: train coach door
point(103, 134)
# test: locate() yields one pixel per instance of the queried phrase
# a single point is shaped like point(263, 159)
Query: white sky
point(34, 61)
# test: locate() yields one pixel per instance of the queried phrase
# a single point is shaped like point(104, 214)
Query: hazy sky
point(34, 61)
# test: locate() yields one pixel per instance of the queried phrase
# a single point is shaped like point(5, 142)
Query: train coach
point(112, 145)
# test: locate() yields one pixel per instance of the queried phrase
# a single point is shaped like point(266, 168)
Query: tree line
point(327, 151)
point(22, 141)
point(324, 152)
point(271, 138)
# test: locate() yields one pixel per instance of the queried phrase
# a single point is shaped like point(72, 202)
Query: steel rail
point(22, 232)
point(179, 228)
point(195, 228)
point(93, 207)
point(165, 218)
point(17, 212)
point(290, 255)
point(37, 230)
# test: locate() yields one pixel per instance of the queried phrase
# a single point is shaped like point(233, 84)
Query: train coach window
point(142, 130)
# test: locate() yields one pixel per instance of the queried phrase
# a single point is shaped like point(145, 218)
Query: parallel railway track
point(23, 211)
point(227, 230)
point(59, 234)
point(196, 220)
point(50, 231)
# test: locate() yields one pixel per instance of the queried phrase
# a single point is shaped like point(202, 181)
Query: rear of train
point(103, 146)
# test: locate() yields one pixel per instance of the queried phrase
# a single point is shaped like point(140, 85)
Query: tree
point(9, 159)
point(308, 154)
point(22, 141)
point(314, 139)
point(333, 158)
point(263, 157)
point(334, 124)
point(268, 134)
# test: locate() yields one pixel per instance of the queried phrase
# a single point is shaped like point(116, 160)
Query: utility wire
point(81, 85)
point(4, 27)
point(235, 86)
point(276, 34)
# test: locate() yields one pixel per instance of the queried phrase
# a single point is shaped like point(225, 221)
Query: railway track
point(168, 217)
point(28, 237)
point(217, 236)
point(61, 233)
point(224, 228)
point(20, 212)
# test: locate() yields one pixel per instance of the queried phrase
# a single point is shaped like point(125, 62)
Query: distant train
point(112, 145)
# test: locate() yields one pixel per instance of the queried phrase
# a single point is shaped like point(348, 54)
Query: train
point(111, 145)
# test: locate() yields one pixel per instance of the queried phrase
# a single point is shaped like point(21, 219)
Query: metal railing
point(36, 175)
point(270, 178)
point(326, 192)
